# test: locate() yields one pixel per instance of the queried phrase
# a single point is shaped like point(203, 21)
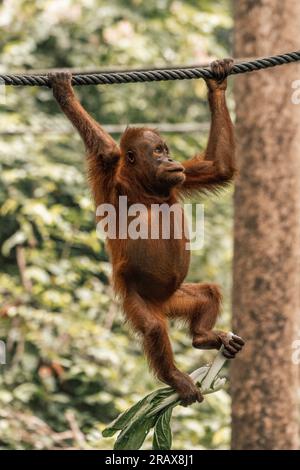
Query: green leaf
point(162, 438)
point(135, 423)
point(124, 419)
point(17, 238)
point(25, 392)
point(133, 435)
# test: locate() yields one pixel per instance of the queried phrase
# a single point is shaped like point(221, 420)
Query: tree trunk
point(264, 380)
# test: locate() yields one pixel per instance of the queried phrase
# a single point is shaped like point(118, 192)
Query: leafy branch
point(155, 411)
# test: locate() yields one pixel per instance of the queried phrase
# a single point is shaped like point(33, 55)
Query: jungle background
point(72, 365)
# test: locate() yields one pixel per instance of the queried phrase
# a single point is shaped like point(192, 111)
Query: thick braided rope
point(110, 78)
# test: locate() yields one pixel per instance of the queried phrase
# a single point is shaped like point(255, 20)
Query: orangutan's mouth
point(178, 169)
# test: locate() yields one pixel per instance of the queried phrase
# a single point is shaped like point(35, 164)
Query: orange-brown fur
point(148, 274)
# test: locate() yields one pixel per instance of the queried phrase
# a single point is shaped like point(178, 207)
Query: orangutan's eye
point(130, 156)
point(159, 149)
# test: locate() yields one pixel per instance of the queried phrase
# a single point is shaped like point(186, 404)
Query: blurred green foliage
point(72, 365)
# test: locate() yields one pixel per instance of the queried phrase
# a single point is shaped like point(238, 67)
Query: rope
point(153, 75)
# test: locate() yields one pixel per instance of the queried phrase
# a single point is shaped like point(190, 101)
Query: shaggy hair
point(131, 135)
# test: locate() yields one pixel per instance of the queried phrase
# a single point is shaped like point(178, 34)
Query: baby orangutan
point(148, 274)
